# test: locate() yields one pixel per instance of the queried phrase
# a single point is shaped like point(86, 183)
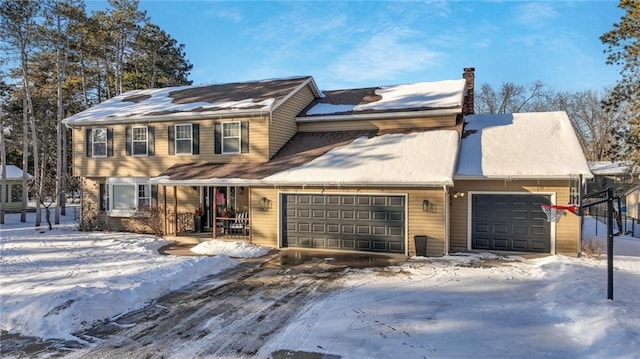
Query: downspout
point(447, 219)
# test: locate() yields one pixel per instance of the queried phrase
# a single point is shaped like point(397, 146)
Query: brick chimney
point(469, 75)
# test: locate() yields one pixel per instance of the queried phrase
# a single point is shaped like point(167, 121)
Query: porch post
point(175, 210)
point(164, 195)
point(215, 212)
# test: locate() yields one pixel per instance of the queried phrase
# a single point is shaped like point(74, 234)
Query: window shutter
point(244, 137)
point(217, 138)
point(172, 143)
point(109, 142)
point(151, 142)
point(195, 132)
point(101, 199)
point(89, 142)
point(154, 195)
point(128, 143)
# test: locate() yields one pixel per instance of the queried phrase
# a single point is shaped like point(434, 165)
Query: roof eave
point(379, 115)
point(176, 116)
point(521, 177)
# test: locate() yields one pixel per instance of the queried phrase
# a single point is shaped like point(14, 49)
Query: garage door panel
point(354, 222)
point(510, 222)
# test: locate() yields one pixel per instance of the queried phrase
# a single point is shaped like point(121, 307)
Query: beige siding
point(386, 124)
point(187, 201)
point(283, 124)
point(122, 165)
point(265, 224)
point(567, 234)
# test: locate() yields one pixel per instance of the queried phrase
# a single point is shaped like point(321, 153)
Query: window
point(16, 193)
point(127, 195)
point(183, 139)
point(99, 142)
point(231, 137)
point(139, 141)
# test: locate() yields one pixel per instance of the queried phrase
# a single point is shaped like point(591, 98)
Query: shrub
point(593, 249)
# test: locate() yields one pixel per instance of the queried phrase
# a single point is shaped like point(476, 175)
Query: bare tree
point(511, 98)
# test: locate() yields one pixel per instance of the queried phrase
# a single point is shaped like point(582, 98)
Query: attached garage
point(509, 222)
point(371, 223)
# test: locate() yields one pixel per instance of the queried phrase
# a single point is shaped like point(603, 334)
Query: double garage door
point(373, 223)
point(510, 222)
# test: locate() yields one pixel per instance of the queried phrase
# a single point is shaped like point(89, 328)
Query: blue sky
point(371, 43)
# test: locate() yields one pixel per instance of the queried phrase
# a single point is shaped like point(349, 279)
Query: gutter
point(526, 177)
point(168, 117)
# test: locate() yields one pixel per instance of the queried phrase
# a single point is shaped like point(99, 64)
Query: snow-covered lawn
point(54, 283)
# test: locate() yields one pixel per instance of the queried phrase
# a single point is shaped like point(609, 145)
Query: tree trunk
point(3, 180)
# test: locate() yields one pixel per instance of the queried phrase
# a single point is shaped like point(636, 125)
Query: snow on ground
point(56, 282)
point(230, 249)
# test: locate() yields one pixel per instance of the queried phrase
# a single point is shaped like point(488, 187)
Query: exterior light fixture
point(425, 205)
point(265, 204)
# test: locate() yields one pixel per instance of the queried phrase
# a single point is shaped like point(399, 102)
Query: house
point(611, 174)
point(370, 169)
point(13, 190)
point(632, 200)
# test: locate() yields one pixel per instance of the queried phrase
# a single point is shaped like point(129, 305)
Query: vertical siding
point(149, 166)
point(283, 122)
point(567, 231)
point(265, 224)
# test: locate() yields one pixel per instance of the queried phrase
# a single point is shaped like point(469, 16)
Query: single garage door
point(374, 223)
point(510, 223)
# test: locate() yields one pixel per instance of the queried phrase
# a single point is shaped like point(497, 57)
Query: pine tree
point(623, 49)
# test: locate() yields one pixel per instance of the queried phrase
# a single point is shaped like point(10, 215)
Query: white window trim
point(93, 142)
point(122, 181)
point(239, 137)
point(175, 139)
point(133, 141)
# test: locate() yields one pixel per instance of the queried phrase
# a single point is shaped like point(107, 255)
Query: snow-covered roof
point(521, 145)
point(610, 168)
point(420, 158)
point(421, 96)
point(187, 102)
point(14, 172)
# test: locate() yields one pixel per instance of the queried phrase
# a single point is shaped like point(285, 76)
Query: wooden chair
point(241, 223)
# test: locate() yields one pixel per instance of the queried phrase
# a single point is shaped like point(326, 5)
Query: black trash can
point(421, 245)
point(197, 222)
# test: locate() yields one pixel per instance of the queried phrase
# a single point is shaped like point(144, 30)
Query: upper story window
point(184, 139)
point(139, 141)
point(99, 142)
point(231, 137)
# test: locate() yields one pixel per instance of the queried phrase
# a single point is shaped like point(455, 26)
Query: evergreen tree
point(623, 49)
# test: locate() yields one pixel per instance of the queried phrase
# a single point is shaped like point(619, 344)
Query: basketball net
point(555, 212)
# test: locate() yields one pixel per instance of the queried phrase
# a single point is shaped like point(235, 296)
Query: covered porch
point(218, 212)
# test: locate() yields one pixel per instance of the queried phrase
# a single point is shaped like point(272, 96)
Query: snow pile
point(231, 249)
point(433, 95)
point(425, 158)
point(58, 282)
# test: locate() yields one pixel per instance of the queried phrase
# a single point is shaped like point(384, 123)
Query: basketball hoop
point(554, 212)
